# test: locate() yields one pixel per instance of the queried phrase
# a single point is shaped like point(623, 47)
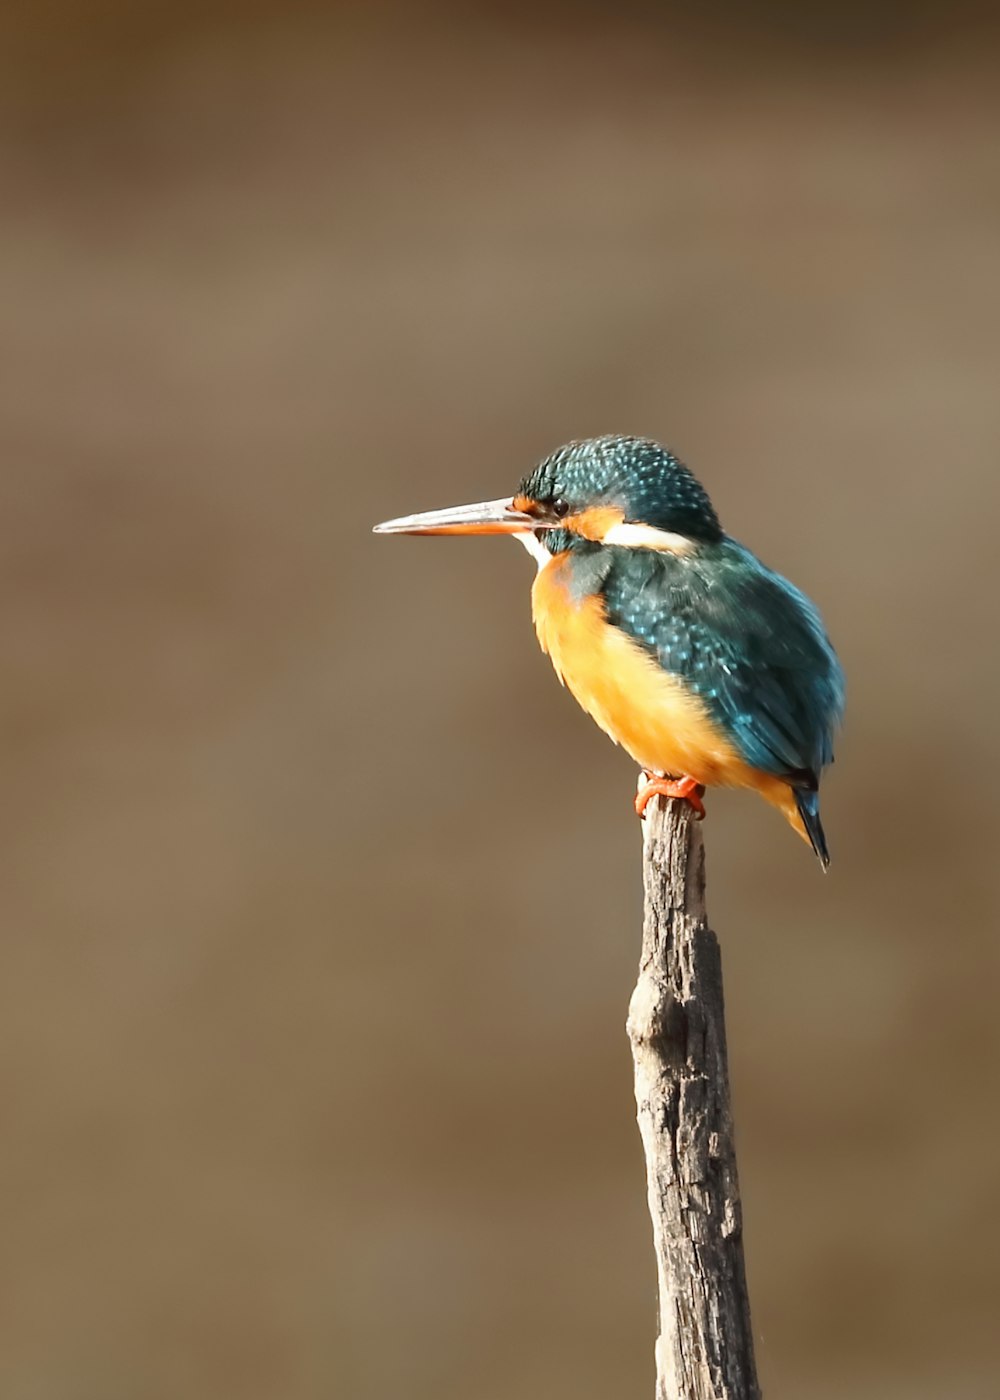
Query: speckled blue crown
point(639, 476)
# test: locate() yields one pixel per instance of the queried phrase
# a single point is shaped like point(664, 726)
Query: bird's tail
point(808, 805)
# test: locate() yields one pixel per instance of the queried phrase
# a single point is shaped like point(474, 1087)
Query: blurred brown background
point(320, 899)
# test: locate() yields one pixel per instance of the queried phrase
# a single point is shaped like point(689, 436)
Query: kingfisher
point(706, 666)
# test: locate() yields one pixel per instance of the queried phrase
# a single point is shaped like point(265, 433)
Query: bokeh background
point(320, 900)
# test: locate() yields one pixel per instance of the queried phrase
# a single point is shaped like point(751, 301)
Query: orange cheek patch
point(594, 524)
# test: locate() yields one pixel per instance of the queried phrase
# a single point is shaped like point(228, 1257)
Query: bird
point(707, 667)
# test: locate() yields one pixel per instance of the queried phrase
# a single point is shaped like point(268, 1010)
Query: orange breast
point(639, 705)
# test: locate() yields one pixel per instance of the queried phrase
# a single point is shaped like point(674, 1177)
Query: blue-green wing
point(746, 641)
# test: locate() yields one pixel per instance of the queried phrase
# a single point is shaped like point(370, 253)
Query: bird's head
point(608, 490)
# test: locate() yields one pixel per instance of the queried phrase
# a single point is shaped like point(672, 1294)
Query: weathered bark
point(677, 1029)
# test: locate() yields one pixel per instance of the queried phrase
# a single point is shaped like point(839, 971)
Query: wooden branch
point(676, 1025)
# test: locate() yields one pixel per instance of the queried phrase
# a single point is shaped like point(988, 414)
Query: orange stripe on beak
point(484, 518)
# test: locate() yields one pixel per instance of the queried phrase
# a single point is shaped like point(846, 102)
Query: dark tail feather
point(808, 805)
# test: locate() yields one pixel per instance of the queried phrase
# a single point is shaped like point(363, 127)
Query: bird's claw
point(684, 789)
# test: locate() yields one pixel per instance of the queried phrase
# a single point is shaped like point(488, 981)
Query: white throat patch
point(534, 547)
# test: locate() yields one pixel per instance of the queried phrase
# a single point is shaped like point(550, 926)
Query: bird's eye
point(560, 507)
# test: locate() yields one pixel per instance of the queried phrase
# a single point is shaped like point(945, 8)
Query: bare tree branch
point(676, 1025)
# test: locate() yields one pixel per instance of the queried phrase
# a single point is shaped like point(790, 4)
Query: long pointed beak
point(485, 518)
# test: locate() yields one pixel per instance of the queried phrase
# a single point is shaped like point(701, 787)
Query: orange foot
point(683, 788)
